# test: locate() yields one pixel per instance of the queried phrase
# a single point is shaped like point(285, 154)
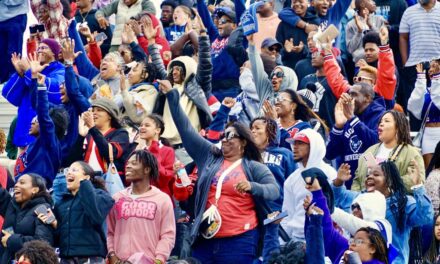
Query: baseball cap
point(225, 11)
point(269, 42)
point(299, 136)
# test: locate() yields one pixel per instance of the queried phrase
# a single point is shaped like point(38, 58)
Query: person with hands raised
point(403, 212)
point(79, 216)
point(43, 156)
point(123, 10)
point(17, 90)
point(245, 182)
point(424, 104)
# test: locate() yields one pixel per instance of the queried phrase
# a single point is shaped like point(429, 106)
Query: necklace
point(84, 17)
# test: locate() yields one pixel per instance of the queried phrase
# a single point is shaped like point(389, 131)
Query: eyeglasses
point(355, 206)
point(278, 74)
point(273, 48)
point(357, 79)
point(42, 48)
point(224, 21)
point(282, 99)
point(67, 170)
point(229, 136)
point(357, 242)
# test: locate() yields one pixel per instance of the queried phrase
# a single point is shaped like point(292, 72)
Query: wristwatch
point(68, 63)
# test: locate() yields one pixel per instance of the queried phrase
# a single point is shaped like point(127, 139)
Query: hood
point(290, 80)
point(317, 148)
point(374, 207)
point(189, 64)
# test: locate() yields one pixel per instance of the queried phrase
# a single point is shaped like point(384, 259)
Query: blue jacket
point(78, 89)
point(418, 212)
point(17, 91)
point(290, 132)
point(356, 137)
point(208, 159)
point(225, 71)
point(333, 16)
point(43, 156)
point(80, 220)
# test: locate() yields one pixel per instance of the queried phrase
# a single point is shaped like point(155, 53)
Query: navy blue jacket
point(225, 71)
point(25, 223)
point(357, 136)
point(78, 89)
point(44, 155)
point(80, 219)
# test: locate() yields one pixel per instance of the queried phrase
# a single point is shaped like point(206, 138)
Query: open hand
point(85, 31)
point(384, 35)
point(340, 118)
point(269, 110)
point(68, 50)
point(16, 62)
point(348, 105)
point(88, 119)
point(35, 65)
point(127, 35)
point(419, 68)
point(343, 175)
point(361, 63)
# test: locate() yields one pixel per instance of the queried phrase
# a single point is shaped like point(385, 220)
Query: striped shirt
point(424, 33)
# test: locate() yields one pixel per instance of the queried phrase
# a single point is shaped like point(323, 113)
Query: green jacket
point(402, 161)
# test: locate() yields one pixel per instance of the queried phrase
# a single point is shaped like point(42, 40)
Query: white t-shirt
point(383, 153)
point(93, 160)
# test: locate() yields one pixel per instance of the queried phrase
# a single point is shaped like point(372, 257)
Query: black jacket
point(80, 222)
point(24, 222)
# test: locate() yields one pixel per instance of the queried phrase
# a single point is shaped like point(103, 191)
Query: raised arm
point(205, 15)
point(386, 77)
point(204, 67)
point(417, 98)
point(190, 137)
point(261, 80)
point(335, 79)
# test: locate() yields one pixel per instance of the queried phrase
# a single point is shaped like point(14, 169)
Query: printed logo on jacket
point(127, 208)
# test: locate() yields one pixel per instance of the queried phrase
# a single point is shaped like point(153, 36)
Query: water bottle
point(183, 175)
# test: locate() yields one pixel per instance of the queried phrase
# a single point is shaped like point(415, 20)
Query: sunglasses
point(357, 79)
point(229, 136)
point(278, 74)
point(224, 21)
point(355, 206)
point(273, 48)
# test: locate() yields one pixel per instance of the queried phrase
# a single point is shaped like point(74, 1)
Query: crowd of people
point(273, 131)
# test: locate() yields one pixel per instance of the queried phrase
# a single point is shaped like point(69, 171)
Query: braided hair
point(398, 193)
point(148, 160)
point(271, 128)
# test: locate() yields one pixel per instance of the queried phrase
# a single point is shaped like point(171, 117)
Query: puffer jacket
point(139, 101)
point(80, 219)
point(24, 221)
point(197, 84)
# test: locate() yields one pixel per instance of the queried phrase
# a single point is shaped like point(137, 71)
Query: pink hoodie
point(142, 225)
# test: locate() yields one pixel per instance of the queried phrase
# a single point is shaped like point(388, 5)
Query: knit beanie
point(54, 46)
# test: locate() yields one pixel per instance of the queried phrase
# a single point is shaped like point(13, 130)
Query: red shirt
point(237, 210)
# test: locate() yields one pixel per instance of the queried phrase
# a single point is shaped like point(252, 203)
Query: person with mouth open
point(394, 145)
point(21, 223)
point(404, 212)
point(79, 216)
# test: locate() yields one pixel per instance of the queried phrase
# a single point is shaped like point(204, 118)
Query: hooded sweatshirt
point(373, 206)
point(294, 186)
point(190, 109)
point(263, 84)
point(144, 224)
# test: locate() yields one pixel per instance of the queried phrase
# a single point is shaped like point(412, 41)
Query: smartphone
point(36, 28)
point(100, 37)
point(42, 209)
point(370, 159)
point(278, 217)
point(330, 33)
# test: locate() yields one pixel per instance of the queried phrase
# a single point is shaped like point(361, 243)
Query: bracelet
point(306, 25)
point(202, 30)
